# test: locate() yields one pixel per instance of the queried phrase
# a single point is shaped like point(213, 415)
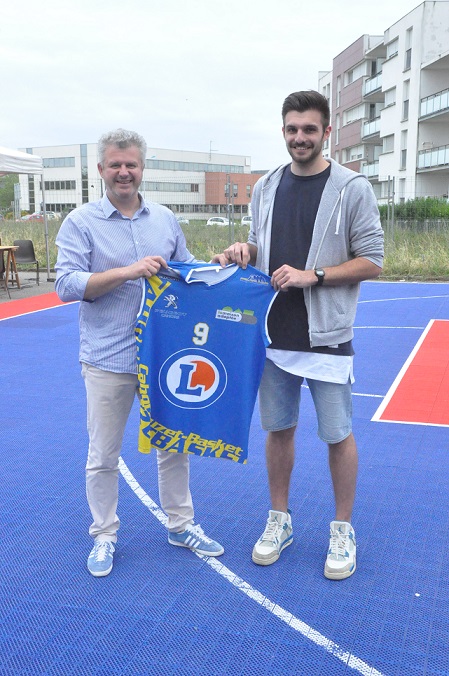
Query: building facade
point(195, 184)
point(389, 99)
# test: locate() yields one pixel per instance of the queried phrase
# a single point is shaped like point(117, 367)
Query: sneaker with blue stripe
point(277, 535)
point(195, 539)
point(101, 558)
point(341, 555)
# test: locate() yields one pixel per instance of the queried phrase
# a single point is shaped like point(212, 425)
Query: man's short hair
point(121, 138)
point(307, 100)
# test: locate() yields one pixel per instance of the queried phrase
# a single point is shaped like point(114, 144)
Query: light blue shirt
point(97, 237)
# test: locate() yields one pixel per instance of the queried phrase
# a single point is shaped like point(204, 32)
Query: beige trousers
point(110, 397)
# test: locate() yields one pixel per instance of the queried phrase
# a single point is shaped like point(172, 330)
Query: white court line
point(42, 309)
point(400, 328)
point(397, 380)
point(298, 625)
point(387, 300)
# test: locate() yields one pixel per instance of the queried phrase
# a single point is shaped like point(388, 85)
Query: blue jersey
point(201, 338)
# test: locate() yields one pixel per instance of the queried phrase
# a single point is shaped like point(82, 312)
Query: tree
point(7, 190)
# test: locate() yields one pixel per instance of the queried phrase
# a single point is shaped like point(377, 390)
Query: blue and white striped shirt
point(97, 237)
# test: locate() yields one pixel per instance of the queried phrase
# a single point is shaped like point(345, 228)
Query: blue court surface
point(164, 610)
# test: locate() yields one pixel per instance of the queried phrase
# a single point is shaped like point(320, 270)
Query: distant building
point(389, 98)
point(195, 184)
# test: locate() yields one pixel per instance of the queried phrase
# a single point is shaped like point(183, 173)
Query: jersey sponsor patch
point(192, 378)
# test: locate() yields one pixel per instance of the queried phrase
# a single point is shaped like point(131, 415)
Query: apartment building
point(195, 184)
point(389, 98)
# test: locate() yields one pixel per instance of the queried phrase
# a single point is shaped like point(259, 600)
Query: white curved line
point(387, 300)
point(295, 623)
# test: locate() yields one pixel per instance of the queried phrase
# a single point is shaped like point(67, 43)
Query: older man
point(105, 248)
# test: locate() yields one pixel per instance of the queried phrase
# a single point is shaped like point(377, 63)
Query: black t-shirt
point(295, 208)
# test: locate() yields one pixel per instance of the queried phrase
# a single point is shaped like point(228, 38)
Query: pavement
point(28, 285)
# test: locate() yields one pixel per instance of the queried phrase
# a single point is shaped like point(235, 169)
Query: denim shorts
point(279, 398)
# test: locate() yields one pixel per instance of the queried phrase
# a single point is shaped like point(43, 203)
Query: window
point(392, 48)
point(390, 97)
point(403, 159)
point(354, 153)
point(405, 101)
point(193, 166)
point(355, 73)
point(408, 59)
point(59, 185)
point(352, 114)
point(162, 186)
point(338, 99)
point(388, 144)
point(50, 162)
point(408, 49)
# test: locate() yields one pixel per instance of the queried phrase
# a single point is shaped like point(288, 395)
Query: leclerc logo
point(192, 378)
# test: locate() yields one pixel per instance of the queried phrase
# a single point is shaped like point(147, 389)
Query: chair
point(3, 271)
point(25, 255)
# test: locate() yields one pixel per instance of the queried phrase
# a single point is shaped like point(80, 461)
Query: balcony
point(433, 158)
point(373, 84)
point(370, 169)
point(371, 127)
point(435, 104)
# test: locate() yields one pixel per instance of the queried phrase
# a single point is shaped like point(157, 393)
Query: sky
point(203, 75)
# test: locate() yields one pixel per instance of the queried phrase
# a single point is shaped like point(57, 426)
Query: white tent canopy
point(17, 162)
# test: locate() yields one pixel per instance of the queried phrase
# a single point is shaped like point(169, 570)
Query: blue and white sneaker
point(277, 535)
point(100, 559)
point(341, 555)
point(194, 538)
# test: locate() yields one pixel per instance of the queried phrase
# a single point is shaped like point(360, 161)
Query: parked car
point(246, 220)
point(217, 220)
point(182, 221)
point(37, 216)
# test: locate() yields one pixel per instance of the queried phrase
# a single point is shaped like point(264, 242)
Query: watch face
point(319, 273)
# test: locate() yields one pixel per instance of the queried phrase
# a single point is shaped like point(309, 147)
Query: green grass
point(417, 256)
point(410, 253)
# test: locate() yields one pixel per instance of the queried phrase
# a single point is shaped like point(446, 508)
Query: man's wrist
point(320, 275)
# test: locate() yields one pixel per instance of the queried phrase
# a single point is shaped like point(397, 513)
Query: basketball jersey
point(201, 338)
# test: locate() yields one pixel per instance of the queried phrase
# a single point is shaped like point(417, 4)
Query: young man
point(316, 231)
point(104, 250)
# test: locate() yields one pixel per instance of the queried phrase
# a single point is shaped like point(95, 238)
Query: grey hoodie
point(347, 226)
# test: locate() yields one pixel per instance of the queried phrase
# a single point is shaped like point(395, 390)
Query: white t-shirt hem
point(330, 368)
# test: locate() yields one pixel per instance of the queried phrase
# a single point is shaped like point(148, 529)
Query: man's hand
point(239, 253)
point(146, 267)
point(103, 282)
point(286, 276)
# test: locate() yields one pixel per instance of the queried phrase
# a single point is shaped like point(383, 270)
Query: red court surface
point(420, 393)
point(14, 308)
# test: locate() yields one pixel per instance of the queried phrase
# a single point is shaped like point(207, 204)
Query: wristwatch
point(320, 274)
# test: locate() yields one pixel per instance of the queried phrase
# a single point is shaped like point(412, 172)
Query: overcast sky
point(186, 74)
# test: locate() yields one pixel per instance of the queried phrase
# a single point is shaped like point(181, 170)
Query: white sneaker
point(341, 555)
point(277, 535)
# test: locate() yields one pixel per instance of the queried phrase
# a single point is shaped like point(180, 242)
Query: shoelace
point(198, 531)
point(101, 551)
point(271, 532)
point(338, 543)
